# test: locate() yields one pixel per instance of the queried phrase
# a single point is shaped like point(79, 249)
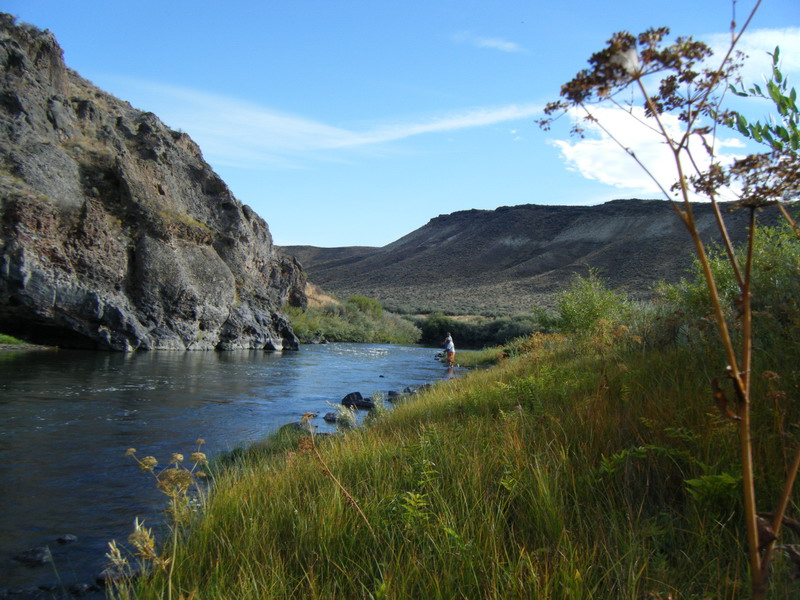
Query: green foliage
point(360, 319)
point(782, 133)
point(586, 302)
point(368, 306)
point(8, 339)
point(775, 287)
point(718, 493)
point(474, 333)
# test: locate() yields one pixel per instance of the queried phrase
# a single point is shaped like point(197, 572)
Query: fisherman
point(450, 349)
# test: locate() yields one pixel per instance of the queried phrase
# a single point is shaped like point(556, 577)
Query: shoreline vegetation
point(589, 462)
point(365, 320)
point(10, 343)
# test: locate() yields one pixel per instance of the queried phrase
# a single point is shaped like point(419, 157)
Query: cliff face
point(116, 234)
point(510, 259)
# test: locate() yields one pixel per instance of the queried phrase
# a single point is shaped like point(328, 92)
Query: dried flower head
point(130, 451)
point(175, 481)
point(198, 458)
point(148, 463)
point(200, 441)
point(176, 458)
point(143, 540)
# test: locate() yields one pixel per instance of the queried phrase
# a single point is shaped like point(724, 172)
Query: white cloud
point(492, 43)
point(238, 133)
point(756, 44)
point(598, 157)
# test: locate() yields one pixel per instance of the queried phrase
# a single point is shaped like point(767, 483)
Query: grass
point(562, 472)
point(11, 340)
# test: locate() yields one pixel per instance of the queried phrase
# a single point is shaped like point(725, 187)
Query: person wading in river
point(450, 349)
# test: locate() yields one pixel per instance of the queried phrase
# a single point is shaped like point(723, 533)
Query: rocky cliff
point(116, 234)
point(512, 258)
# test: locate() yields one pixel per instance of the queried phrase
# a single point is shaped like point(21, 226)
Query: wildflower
point(130, 451)
point(176, 458)
point(200, 441)
point(198, 458)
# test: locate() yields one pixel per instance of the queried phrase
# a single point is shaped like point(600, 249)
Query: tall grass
point(579, 467)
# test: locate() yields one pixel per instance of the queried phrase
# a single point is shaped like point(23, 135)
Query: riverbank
point(579, 467)
point(24, 347)
point(67, 418)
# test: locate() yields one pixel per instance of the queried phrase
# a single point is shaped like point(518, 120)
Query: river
point(67, 417)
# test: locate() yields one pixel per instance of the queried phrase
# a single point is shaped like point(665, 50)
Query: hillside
point(512, 258)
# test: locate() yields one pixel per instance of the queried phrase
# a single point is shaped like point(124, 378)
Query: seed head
point(148, 463)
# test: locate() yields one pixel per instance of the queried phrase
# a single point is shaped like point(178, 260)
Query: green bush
point(360, 319)
point(368, 306)
point(476, 333)
point(586, 302)
point(775, 289)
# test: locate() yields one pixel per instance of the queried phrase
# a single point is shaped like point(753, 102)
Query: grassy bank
point(570, 471)
point(592, 463)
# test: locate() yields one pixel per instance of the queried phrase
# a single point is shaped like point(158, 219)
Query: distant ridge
point(512, 258)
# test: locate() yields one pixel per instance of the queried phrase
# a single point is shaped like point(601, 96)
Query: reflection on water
point(66, 419)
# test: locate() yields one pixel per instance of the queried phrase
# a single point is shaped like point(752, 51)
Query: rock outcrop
point(116, 234)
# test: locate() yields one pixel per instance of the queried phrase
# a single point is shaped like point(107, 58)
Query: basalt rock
point(116, 234)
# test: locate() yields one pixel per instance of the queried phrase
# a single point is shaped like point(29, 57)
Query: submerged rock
point(35, 557)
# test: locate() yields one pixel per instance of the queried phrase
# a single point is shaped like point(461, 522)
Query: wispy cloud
point(492, 43)
point(234, 132)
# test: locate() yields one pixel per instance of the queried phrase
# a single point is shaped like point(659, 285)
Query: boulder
point(356, 400)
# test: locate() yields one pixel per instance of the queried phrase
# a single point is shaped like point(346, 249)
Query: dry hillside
point(512, 258)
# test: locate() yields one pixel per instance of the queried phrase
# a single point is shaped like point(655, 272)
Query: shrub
point(775, 287)
point(586, 302)
point(477, 333)
point(360, 319)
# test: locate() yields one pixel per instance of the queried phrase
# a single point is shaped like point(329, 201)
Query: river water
point(67, 417)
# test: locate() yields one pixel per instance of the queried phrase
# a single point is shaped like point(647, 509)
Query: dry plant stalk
point(307, 444)
point(636, 65)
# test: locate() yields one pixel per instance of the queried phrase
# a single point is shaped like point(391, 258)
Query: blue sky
point(354, 122)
